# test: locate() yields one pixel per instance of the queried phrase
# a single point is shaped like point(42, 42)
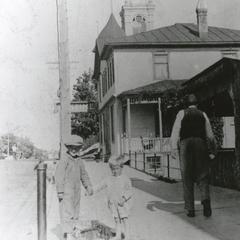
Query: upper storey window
point(108, 77)
point(104, 82)
point(161, 68)
point(110, 67)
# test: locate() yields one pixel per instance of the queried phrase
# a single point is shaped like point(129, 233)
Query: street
point(157, 213)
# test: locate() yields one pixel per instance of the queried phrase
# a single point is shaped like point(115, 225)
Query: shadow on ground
point(225, 221)
point(96, 230)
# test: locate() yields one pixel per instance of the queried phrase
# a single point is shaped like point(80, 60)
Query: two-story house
point(135, 64)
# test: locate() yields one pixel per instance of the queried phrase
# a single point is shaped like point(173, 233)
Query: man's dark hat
point(192, 99)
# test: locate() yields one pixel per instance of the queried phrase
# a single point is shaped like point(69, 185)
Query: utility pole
point(8, 150)
point(64, 72)
point(111, 6)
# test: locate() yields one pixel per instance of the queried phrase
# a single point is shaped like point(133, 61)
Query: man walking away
point(192, 136)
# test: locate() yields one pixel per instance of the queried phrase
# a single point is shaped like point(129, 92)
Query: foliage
point(85, 88)
point(217, 127)
point(40, 154)
point(24, 147)
point(173, 100)
point(86, 124)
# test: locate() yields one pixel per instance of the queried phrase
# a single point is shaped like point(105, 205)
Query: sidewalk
point(158, 211)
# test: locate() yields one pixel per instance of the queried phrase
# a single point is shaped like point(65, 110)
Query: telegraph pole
point(64, 72)
point(111, 6)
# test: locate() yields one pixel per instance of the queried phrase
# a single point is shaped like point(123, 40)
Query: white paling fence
point(143, 144)
point(152, 155)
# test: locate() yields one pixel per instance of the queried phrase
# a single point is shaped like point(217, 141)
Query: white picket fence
point(144, 144)
point(152, 155)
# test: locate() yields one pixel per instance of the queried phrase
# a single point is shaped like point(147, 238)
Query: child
point(119, 194)
point(70, 173)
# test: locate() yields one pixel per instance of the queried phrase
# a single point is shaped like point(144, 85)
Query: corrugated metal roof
point(180, 33)
point(154, 88)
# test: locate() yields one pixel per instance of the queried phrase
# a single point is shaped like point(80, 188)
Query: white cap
point(115, 160)
point(73, 140)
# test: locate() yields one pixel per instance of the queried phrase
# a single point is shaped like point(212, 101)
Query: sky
point(28, 43)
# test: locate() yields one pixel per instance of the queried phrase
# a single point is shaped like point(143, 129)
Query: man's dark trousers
point(194, 163)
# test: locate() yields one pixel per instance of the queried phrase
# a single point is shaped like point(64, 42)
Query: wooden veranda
point(147, 153)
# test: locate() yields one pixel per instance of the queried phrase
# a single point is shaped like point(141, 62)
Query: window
point(113, 74)
point(110, 66)
point(109, 73)
point(112, 121)
point(101, 126)
point(104, 82)
point(139, 24)
point(161, 70)
point(108, 76)
point(100, 90)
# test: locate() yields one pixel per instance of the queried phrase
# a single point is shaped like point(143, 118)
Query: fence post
point(144, 164)
point(130, 157)
point(155, 167)
point(41, 201)
point(168, 165)
point(136, 160)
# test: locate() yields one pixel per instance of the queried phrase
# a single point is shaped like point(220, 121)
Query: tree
point(40, 154)
point(86, 124)
point(24, 147)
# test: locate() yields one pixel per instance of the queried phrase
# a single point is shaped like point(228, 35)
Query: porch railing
point(144, 144)
point(151, 155)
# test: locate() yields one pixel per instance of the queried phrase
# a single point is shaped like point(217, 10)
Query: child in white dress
point(119, 194)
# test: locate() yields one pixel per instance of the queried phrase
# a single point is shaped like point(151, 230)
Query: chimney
point(202, 22)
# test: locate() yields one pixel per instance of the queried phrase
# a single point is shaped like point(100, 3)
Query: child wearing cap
point(119, 194)
point(70, 173)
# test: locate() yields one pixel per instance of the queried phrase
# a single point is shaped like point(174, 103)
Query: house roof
point(111, 31)
point(156, 88)
point(179, 34)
